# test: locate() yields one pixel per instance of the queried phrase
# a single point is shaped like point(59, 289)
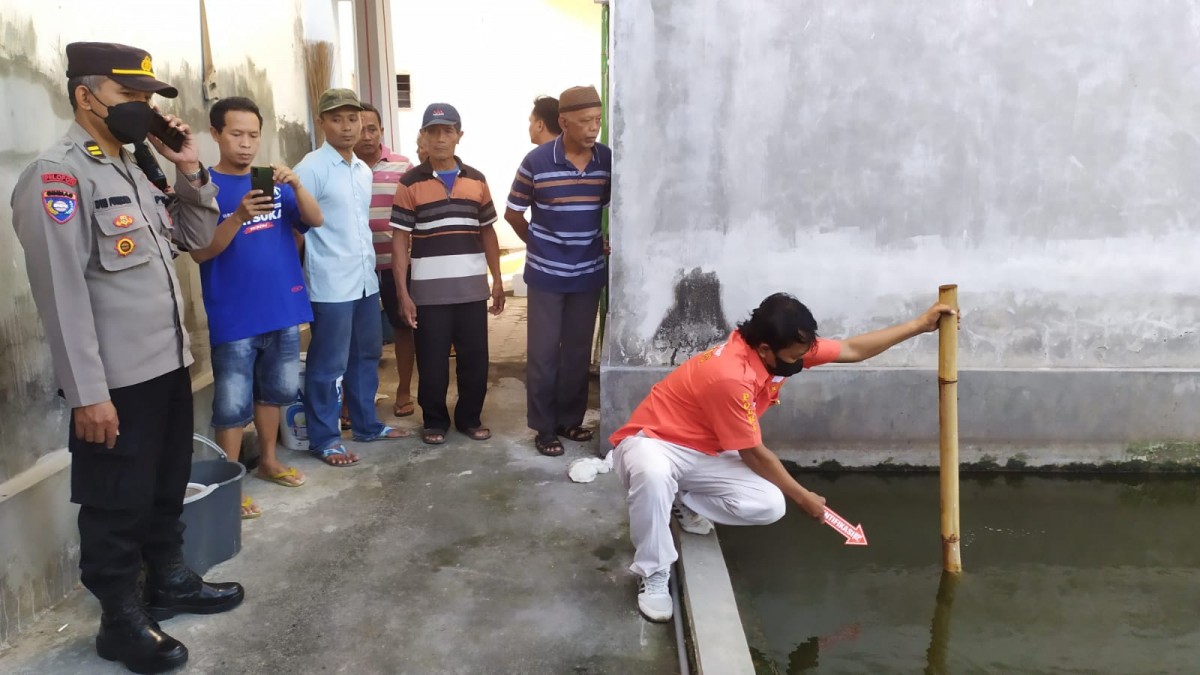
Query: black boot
point(129, 635)
point(173, 588)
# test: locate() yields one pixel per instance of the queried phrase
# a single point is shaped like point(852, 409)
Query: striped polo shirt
point(565, 251)
point(383, 191)
point(448, 262)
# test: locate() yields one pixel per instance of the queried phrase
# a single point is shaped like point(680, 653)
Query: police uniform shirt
point(98, 240)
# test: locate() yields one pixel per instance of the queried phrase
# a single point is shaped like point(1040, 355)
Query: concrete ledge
point(39, 542)
point(718, 639)
point(1040, 417)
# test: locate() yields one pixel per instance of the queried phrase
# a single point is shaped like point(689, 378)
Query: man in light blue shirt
point(339, 261)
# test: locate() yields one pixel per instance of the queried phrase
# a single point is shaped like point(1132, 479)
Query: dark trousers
point(561, 326)
point(465, 327)
point(130, 498)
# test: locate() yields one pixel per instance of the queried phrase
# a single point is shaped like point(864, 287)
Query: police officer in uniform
point(99, 243)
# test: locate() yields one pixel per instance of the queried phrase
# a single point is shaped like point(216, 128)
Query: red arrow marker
point(853, 533)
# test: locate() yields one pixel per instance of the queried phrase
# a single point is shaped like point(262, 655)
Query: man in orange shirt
point(694, 447)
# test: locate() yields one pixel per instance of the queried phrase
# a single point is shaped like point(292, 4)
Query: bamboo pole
point(948, 420)
point(598, 347)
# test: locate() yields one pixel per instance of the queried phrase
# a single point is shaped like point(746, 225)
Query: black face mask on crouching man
point(783, 368)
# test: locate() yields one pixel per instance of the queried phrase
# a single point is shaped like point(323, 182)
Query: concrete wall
point(256, 51)
point(490, 59)
point(1039, 154)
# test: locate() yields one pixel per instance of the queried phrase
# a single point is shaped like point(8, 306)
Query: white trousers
point(722, 489)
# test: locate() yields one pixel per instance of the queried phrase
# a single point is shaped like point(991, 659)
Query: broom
point(318, 69)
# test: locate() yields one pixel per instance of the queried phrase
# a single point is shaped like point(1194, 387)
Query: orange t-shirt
point(711, 403)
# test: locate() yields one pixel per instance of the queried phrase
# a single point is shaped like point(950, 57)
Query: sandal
point(577, 434)
point(433, 437)
point(289, 477)
point(478, 433)
point(548, 445)
point(385, 434)
point(344, 423)
point(404, 409)
point(249, 510)
point(332, 455)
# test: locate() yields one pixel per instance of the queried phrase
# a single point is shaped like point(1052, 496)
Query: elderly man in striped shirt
point(443, 216)
point(567, 182)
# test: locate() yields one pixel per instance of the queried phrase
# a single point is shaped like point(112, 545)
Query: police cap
point(128, 66)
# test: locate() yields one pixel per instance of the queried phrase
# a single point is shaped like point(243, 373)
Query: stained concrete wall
point(256, 49)
point(1041, 155)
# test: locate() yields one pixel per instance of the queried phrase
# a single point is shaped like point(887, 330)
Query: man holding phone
point(254, 290)
point(99, 243)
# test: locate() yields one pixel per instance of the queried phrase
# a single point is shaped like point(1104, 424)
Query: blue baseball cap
point(441, 113)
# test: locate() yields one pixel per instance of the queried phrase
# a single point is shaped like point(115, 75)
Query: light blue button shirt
point(339, 256)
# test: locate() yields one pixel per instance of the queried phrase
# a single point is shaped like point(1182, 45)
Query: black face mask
point(783, 368)
point(129, 122)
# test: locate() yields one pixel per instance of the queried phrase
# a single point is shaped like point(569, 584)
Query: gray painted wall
point(1042, 155)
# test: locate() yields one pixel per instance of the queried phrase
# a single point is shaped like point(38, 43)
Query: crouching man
point(693, 447)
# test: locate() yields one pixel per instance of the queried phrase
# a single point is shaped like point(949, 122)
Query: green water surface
point(1062, 575)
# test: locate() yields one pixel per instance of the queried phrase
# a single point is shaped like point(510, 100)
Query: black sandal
point(548, 445)
point(577, 434)
point(433, 437)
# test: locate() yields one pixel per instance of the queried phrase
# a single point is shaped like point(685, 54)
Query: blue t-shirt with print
point(255, 285)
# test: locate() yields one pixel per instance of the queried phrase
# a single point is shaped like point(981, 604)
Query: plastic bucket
point(293, 426)
point(212, 510)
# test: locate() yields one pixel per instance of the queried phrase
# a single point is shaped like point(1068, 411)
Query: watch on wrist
point(195, 175)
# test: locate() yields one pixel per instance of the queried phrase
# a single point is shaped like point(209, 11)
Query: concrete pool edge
point(1170, 457)
point(718, 639)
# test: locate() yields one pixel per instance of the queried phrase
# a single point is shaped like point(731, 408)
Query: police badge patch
point(60, 204)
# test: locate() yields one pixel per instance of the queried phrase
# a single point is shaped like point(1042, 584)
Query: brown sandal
point(577, 434)
point(549, 445)
point(478, 433)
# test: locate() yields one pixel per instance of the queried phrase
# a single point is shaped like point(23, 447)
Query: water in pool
point(1062, 575)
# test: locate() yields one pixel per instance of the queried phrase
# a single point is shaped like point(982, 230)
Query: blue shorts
point(261, 369)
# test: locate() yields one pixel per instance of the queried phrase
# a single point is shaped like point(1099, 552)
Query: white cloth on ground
point(585, 470)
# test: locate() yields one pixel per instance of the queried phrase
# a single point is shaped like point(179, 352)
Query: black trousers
point(465, 327)
point(560, 329)
point(130, 498)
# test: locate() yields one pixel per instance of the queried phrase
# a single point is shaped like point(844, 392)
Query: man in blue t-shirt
point(254, 292)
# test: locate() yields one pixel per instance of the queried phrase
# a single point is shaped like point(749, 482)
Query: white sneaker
point(689, 520)
point(654, 598)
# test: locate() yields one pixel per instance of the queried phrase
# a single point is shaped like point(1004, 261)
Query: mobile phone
point(263, 178)
point(163, 131)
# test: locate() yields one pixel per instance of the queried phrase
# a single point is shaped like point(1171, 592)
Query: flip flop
point(405, 410)
point(385, 434)
point(246, 504)
point(325, 454)
point(429, 434)
point(282, 477)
